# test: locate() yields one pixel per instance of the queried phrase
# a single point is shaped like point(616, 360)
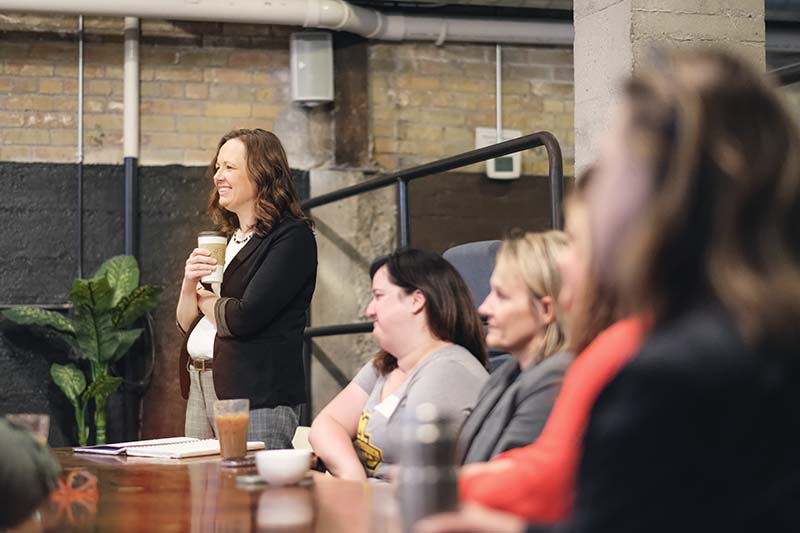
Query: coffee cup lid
point(211, 234)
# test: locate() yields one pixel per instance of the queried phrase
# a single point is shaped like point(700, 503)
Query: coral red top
point(539, 482)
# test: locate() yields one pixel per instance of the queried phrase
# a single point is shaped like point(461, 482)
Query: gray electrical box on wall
point(311, 67)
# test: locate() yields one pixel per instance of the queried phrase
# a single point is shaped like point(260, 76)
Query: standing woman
point(244, 338)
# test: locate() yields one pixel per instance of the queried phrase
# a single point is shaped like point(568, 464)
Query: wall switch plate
point(507, 167)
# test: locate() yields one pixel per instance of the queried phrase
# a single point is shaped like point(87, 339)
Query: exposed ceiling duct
point(328, 14)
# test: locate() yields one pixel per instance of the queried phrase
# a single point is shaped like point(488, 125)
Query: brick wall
point(201, 79)
point(197, 81)
point(428, 100)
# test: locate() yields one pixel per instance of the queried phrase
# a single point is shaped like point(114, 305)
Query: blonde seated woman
point(432, 352)
point(524, 319)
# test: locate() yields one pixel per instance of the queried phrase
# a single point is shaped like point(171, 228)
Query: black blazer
point(261, 314)
point(699, 433)
point(512, 408)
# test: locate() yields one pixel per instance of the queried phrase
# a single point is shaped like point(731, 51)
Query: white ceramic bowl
point(283, 467)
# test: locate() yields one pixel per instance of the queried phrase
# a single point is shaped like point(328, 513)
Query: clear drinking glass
point(231, 418)
point(36, 423)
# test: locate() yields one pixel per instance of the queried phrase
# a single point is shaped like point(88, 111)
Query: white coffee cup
point(283, 467)
point(216, 243)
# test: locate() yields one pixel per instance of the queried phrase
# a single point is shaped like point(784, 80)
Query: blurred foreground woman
point(695, 215)
point(700, 432)
point(537, 482)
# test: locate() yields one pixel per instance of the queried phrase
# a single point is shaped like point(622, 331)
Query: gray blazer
point(512, 408)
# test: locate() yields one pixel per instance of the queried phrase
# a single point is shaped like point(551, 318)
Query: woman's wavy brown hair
point(450, 311)
point(268, 167)
point(597, 307)
point(722, 224)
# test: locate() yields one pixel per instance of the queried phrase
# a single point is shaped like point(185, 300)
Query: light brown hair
point(722, 223)
point(597, 306)
point(268, 168)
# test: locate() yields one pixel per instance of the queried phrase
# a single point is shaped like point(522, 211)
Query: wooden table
point(195, 495)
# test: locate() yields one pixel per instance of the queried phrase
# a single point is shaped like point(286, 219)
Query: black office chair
point(475, 262)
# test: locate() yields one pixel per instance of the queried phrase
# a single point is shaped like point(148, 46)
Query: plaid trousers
point(274, 426)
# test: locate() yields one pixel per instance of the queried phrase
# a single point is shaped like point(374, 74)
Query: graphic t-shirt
point(449, 378)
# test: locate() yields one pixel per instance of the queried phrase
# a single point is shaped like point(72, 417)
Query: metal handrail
point(534, 140)
point(787, 74)
point(339, 329)
point(402, 178)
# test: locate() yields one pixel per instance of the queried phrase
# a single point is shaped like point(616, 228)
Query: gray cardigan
point(512, 408)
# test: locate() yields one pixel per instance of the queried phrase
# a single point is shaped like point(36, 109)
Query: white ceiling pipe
point(130, 121)
point(329, 14)
point(460, 29)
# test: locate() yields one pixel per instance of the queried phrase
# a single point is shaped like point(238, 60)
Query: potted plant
point(99, 334)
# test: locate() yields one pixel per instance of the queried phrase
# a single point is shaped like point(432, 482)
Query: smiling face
point(237, 192)
point(393, 313)
point(514, 323)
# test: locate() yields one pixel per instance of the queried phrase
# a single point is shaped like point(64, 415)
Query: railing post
point(556, 179)
point(404, 223)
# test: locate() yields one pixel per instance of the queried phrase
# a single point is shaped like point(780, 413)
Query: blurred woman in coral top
point(537, 482)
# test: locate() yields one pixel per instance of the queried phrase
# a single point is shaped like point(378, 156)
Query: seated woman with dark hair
point(432, 352)
point(523, 319)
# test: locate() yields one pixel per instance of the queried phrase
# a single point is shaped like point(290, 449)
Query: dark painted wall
point(455, 208)
point(38, 236)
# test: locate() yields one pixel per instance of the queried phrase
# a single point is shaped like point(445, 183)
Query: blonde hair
point(535, 256)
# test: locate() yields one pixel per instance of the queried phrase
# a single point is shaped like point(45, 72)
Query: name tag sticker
point(387, 406)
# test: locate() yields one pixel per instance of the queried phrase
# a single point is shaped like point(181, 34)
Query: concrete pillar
point(614, 37)
point(350, 233)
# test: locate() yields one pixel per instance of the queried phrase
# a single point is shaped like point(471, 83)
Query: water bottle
point(429, 478)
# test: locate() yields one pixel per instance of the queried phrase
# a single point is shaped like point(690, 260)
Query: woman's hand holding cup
point(199, 264)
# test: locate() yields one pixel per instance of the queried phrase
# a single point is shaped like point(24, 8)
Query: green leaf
point(126, 339)
point(101, 388)
point(134, 305)
point(96, 335)
point(94, 329)
point(95, 293)
point(31, 316)
point(70, 380)
point(122, 273)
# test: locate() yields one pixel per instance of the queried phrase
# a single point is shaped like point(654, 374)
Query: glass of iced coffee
point(231, 418)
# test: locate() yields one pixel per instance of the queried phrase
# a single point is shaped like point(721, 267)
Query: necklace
point(240, 238)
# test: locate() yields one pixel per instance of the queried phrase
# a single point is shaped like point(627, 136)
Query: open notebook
point(170, 448)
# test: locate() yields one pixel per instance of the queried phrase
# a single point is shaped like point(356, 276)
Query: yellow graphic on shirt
point(371, 454)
